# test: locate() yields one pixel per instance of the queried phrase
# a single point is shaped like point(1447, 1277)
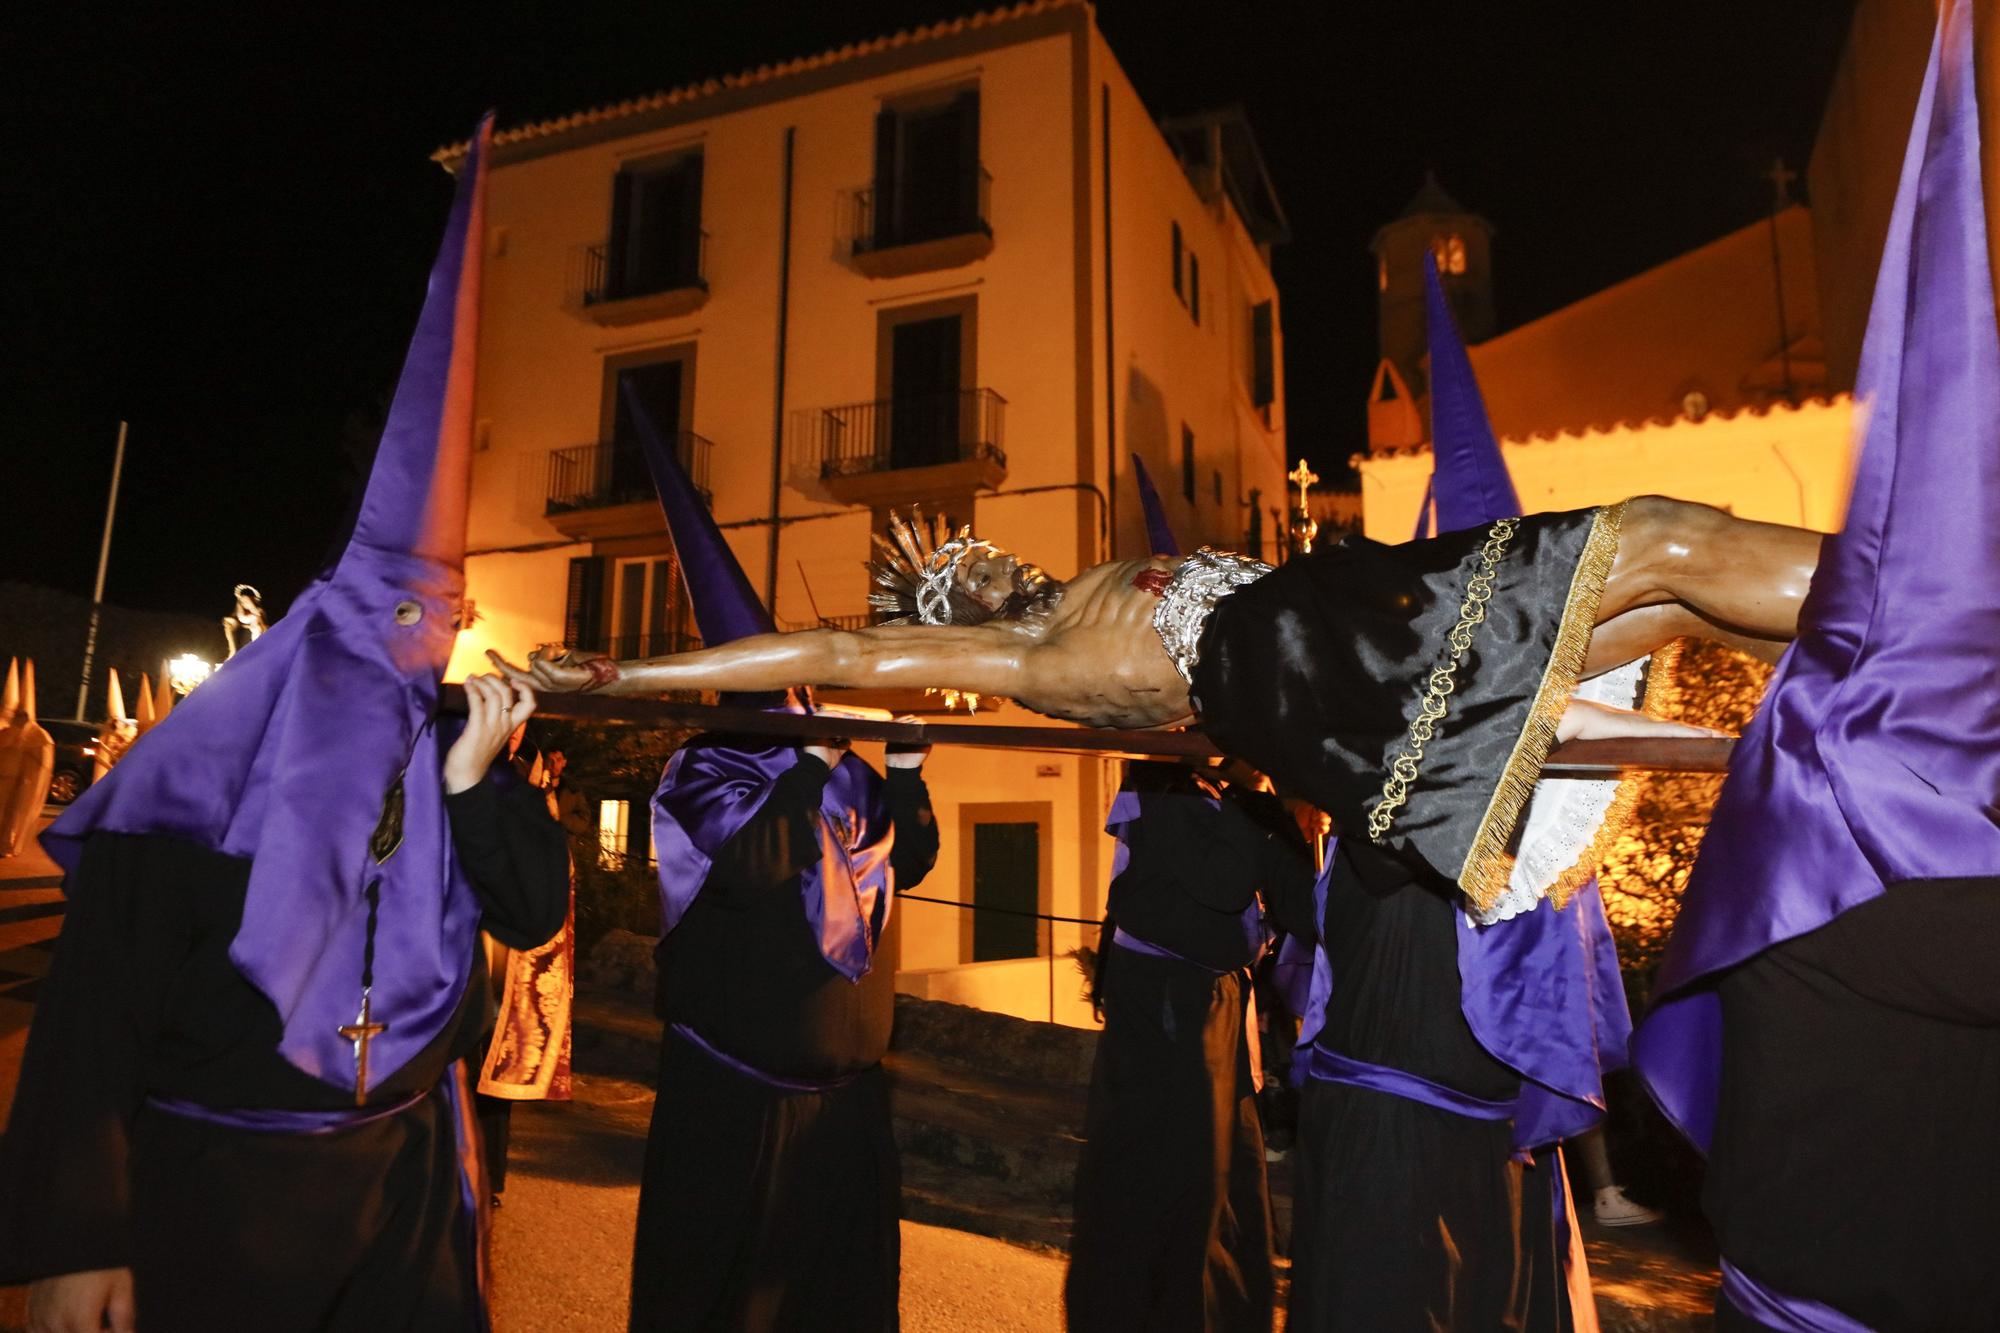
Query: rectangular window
point(1187, 464)
point(631, 609)
point(1006, 874)
point(1216, 477)
point(925, 365)
point(1194, 287)
point(655, 243)
point(927, 173)
point(926, 412)
point(1263, 355)
point(660, 387)
point(614, 822)
point(1180, 281)
point(652, 610)
point(583, 611)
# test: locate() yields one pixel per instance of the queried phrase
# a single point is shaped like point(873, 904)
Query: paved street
point(563, 1237)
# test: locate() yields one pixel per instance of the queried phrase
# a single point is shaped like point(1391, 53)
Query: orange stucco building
point(960, 266)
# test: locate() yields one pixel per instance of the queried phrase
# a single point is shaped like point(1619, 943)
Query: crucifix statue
point(1304, 526)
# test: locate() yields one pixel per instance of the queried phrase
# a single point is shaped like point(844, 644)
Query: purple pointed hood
point(1469, 484)
point(1159, 532)
point(709, 791)
point(1877, 747)
point(287, 756)
point(725, 607)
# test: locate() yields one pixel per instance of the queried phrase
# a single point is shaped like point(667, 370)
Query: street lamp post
point(103, 560)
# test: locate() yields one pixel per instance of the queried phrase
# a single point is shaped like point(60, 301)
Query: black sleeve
point(910, 811)
point(1284, 865)
point(778, 842)
point(64, 1199)
point(517, 858)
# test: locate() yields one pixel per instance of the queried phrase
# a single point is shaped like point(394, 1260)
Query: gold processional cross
point(1304, 526)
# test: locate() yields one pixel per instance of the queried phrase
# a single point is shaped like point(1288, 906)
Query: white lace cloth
point(1564, 814)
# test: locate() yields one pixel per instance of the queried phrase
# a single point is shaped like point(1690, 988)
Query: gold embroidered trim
point(1661, 693)
point(1484, 875)
point(1404, 768)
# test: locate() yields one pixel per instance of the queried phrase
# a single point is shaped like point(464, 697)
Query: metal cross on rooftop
point(1304, 478)
point(1781, 178)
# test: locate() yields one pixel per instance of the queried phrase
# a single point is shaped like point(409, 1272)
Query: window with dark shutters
point(655, 243)
point(583, 611)
point(927, 172)
point(1187, 463)
point(886, 138)
point(1194, 287)
point(1263, 368)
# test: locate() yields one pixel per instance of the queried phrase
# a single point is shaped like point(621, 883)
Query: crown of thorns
point(916, 574)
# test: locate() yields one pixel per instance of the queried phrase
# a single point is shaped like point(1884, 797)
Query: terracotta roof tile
point(450, 154)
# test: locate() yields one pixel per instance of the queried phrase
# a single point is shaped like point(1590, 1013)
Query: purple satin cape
point(285, 756)
point(1541, 992)
point(710, 791)
point(1875, 756)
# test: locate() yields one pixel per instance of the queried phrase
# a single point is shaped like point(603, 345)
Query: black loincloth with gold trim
point(1412, 692)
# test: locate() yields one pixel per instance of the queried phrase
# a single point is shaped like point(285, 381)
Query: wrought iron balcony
point(601, 476)
point(896, 434)
point(626, 647)
point(860, 620)
point(932, 225)
point(658, 289)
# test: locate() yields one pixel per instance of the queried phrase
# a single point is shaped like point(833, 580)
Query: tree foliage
point(1643, 877)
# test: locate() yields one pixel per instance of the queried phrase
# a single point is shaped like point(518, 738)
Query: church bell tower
point(1435, 223)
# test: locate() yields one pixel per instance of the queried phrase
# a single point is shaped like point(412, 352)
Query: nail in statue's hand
point(558, 670)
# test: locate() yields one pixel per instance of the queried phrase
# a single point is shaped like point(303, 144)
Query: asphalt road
point(563, 1236)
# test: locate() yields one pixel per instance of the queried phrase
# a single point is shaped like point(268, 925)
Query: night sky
point(221, 220)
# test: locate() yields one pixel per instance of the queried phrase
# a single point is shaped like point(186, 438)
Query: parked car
point(76, 751)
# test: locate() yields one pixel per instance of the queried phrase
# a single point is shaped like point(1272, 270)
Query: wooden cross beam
point(1577, 759)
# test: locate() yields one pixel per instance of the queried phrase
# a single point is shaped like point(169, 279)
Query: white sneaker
point(1613, 1209)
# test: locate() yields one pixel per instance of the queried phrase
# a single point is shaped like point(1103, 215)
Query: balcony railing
point(898, 433)
point(626, 647)
point(601, 284)
point(598, 476)
point(923, 216)
point(860, 620)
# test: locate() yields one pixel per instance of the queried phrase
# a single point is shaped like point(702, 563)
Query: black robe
point(1405, 1216)
point(1855, 1160)
point(1173, 1207)
point(762, 1208)
point(359, 1229)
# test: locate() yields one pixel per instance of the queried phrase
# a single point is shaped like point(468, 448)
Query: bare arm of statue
point(984, 660)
